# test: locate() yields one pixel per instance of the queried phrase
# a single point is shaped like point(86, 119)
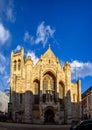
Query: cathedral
point(43, 93)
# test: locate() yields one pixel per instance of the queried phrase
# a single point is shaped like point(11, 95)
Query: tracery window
point(48, 83)
point(48, 88)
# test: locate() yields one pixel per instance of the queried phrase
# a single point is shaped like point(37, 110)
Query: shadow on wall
point(26, 106)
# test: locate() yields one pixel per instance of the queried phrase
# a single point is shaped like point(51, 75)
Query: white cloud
point(28, 37)
point(43, 34)
point(62, 63)
point(18, 48)
point(80, 69)
point(2, 63)
point(4, 34)
point(2, 69)
point(33, 56)
point(7, 10)
point(7, 78)
point(10, 15)
point(4, 74)
point(2, 57)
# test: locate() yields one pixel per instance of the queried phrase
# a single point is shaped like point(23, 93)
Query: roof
point(87, 91)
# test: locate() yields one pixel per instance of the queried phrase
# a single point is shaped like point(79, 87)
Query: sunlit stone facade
point(43, 93)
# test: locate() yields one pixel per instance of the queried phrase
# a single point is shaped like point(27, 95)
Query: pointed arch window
point(15, 65)
point(45, 85)
point(48, 88)
point(61, 91)
point(61, 95)
point(48, 83)
point(36, 92)
point(19, 64)
point(36, 88)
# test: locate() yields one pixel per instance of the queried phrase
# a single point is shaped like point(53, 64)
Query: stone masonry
point(43, 93)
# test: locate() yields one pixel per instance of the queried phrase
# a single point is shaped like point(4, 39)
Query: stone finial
point(29, 60)
point(67, 65)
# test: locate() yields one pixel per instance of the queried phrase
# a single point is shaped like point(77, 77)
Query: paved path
point(16, 126)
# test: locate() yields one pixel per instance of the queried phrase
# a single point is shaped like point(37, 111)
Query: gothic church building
point(43, 93)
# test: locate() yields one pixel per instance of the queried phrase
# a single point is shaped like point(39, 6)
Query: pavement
point(32, 125)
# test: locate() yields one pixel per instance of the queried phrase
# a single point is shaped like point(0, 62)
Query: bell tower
point(17, 63)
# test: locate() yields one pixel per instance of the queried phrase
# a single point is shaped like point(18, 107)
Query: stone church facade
point(43, 93)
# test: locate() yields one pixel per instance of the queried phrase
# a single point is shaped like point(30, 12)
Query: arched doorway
point(49, 116)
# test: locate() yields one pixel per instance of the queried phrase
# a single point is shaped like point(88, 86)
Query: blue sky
point(33, 24)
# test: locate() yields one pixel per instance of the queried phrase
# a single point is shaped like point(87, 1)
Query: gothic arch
point(35, 79)
point(49, 114)
point(49, 87)
point(36, 91)
point(49, 81)
point(49, 107)
point(50, 71)
point(36, 86)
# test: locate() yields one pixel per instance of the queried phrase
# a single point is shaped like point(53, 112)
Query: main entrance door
point(49, 116)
